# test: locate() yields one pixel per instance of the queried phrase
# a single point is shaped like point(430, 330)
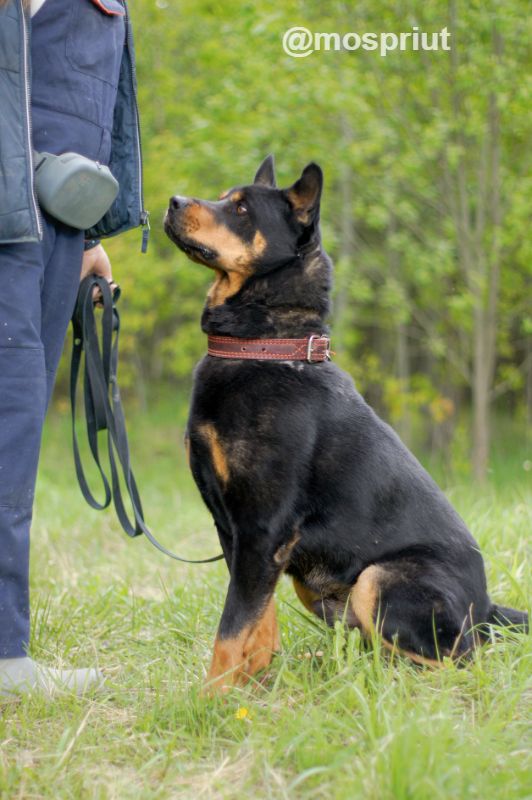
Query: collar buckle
point(316, 353)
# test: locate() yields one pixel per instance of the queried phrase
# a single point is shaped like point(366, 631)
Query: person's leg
point(22, 408)
point(63, 252)
point(39, 289)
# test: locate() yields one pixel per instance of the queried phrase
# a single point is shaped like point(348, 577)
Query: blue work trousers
point(38, 287)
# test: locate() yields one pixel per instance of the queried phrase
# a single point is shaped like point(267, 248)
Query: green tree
point(425, 204)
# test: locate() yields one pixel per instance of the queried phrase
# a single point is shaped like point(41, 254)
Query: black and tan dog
point(299, 473)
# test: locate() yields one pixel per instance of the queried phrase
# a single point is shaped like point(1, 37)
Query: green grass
point(331, 719)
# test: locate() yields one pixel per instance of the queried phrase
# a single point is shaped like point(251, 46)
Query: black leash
point(103, 409)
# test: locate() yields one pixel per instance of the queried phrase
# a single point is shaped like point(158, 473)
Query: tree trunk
point(481, 403)
point(402, 355)
point(347, 249)
point(528, 386)
point(487, 302)
point(478, 228)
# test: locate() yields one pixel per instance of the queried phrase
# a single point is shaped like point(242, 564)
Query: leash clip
point(311, 352)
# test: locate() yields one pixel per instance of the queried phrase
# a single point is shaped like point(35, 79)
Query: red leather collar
point(314, 348)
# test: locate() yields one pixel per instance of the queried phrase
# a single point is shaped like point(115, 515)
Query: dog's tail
point(508, 618)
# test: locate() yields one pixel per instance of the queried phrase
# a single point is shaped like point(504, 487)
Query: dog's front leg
point(248, 633)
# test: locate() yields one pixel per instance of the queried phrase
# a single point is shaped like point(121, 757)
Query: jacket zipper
point(144, 215)
point(29, 153)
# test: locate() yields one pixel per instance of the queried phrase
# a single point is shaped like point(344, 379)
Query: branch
point(505, 386)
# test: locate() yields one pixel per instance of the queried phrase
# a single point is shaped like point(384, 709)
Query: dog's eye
point(241, 208)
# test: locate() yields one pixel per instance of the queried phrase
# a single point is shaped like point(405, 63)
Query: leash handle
point(104, 411)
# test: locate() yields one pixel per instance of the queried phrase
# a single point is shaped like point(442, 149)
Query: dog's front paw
point(237, 659)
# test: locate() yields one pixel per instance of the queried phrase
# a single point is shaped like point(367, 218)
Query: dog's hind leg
point(328, 609)
point(306, 595)
point(414, 617)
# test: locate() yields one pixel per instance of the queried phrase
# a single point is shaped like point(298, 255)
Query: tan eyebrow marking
point(234, 196)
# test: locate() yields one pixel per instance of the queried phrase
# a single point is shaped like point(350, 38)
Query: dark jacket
point(19, 213)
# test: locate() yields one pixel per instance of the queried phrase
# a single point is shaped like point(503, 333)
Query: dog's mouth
point(194, 250)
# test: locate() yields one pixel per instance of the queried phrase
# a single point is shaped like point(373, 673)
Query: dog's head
point(249, 230)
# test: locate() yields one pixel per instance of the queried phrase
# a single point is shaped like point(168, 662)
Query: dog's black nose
point(176, 202)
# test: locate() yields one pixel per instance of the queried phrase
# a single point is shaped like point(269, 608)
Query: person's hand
point(96, 262)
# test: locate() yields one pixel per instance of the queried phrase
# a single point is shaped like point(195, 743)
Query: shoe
point(22, 676)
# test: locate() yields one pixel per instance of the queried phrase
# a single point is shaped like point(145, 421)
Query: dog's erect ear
point(305, 194)
point(266, 173)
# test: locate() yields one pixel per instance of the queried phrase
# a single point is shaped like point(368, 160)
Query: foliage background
point(425, 211)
